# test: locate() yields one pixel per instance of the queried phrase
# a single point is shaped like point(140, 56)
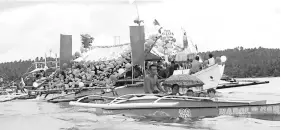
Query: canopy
point(183, 80)
point(152, 57)
point(104, 53)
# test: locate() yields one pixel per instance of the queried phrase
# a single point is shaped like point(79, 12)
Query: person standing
point(151, 83)
point(211, 60)
point(172, 68)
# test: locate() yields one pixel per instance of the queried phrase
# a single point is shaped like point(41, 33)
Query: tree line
point(250, 62)
point(241, 63)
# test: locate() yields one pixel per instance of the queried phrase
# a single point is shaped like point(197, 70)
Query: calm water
point(34, 115)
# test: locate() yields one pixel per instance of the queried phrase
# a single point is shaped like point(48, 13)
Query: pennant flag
point(185, 41)
point(196, 47)
point(22, 82)
point(155, 22)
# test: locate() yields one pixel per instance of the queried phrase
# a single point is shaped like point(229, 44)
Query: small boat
point(20, 95)
point(210, 76)
point(175, 106)
point(14, 95)
point(5, 96)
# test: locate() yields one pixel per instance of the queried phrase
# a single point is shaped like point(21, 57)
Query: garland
point(120, 45)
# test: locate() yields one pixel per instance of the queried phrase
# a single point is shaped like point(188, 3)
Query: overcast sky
point(29, 29)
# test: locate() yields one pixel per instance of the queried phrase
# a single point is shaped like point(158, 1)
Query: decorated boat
point(176, 106)
point(120, 57)
point(209, 76)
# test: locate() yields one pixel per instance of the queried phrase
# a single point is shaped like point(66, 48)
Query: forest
point(250, 62)
point(241, 63)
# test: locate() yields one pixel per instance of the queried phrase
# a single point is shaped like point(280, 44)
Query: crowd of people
point(152, 85)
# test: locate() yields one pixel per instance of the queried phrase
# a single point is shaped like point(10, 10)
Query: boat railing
point(80, 99)
point(117, 100)
point(181, 97)
point(158, 98)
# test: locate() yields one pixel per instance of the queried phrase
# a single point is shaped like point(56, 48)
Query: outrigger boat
point(176, 106)
point(10, 95)
point(5, 96)
point(209, 76)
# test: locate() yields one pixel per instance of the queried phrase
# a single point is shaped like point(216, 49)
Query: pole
point(56, 62)
point(132, 68)
point(45, 60)
point(132, 74)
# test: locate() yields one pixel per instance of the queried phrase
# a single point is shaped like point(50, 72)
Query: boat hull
point(271, 111)
point(178, 106)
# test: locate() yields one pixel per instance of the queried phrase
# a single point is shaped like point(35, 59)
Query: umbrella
point(183, 80)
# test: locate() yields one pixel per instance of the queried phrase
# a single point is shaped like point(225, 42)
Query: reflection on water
point(34, 115)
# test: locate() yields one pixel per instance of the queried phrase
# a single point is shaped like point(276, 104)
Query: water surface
point(35, 115)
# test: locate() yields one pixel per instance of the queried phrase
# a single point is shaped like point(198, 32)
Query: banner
point(137, 39)
point(65, 50)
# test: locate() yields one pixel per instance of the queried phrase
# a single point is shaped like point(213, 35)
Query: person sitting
point(212, 94)
point(110, 85)
point(195, 65)
point(201, 94)
point(211, 60)
point(175, 90)
point(190, 93)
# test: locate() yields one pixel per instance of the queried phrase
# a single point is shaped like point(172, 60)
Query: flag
point(22, 82)
point(156, 23)
point(137, 44)
point(196, 47)
point(65, 49)
point(185, 41)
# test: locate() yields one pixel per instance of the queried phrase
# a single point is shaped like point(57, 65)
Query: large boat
point(176, 106)
point(209, 76)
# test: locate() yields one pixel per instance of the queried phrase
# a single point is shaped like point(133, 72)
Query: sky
point(29, 29)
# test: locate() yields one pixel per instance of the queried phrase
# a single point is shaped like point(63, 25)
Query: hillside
point(254, 62)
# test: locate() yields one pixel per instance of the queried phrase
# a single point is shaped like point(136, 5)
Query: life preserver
point(35, 84)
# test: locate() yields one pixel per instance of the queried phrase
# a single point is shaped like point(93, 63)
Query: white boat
point(210, 76)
